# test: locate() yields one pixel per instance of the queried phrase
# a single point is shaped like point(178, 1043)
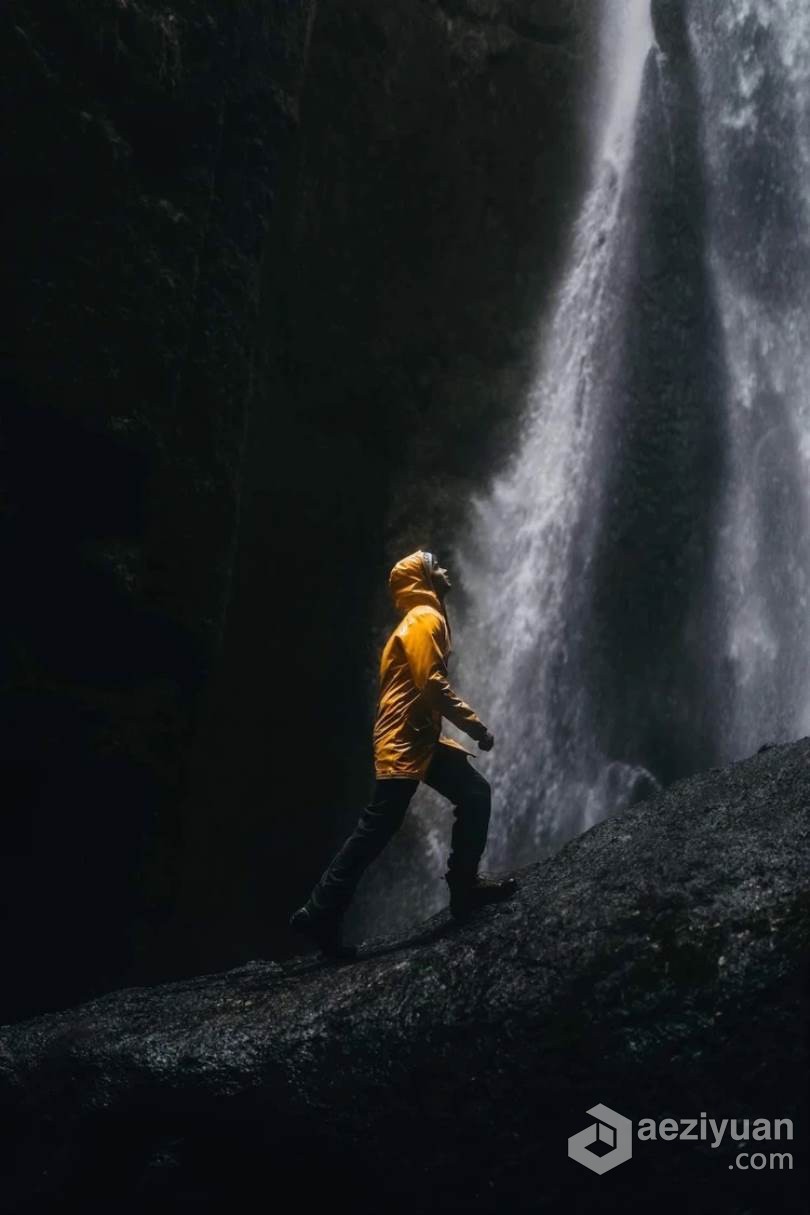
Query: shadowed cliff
point(145, 157)
point(656, 964)
point(206, 222)
point(440, 158)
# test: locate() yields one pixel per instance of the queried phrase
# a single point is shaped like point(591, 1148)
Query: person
point(414, 696)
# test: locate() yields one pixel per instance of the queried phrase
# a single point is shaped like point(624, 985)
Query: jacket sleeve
point(422, 645)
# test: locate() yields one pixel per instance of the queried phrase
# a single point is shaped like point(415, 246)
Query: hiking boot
point(323, 931)
point(468, 894)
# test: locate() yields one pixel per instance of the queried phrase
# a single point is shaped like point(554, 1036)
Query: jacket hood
point(410, 584)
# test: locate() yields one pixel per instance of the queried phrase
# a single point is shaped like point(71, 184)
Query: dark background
point(274, 273)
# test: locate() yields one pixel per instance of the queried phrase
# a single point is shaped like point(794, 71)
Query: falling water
point(636, 581)
point(526, 565)
point(753, 61)
point(741, 558)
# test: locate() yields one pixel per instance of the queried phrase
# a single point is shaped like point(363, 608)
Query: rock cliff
point(146, 154)
point(440, 165)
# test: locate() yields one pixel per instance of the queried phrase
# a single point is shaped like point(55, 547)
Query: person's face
point(441, 579)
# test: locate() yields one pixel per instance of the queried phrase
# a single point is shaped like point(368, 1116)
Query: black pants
point(451, 774)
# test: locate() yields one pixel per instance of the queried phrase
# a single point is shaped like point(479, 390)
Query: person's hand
point(487, 742)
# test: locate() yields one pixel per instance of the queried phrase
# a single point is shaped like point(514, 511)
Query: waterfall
point(526, 564)
point(753, 65)
point(635, 581)
point(662, 469)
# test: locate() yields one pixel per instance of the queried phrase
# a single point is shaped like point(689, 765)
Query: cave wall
point(441, 158)
point(146, 143)
point(276, 275)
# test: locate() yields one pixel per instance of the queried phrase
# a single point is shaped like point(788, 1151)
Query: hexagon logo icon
point(610, 1129)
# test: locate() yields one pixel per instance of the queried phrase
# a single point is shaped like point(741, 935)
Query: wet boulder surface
point(656, 964)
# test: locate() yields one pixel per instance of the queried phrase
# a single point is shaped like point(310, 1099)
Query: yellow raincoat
point(414, 690)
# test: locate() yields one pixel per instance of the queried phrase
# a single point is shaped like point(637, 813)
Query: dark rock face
point(170, 261)
point(440, 162)
point(671, 27)
point(146, 150)
point(666, 452)
point(657, 964)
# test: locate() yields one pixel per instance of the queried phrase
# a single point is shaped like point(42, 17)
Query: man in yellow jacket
point(414, 696)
